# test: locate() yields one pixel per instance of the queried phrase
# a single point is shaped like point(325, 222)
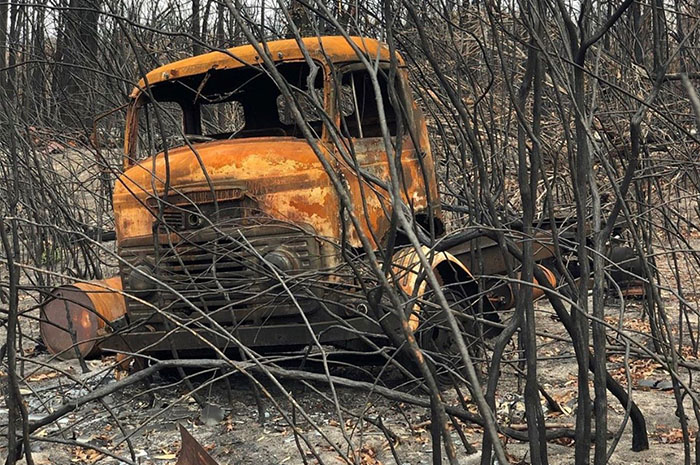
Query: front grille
point(182, 216)
point(223, 273)
point(174, 219)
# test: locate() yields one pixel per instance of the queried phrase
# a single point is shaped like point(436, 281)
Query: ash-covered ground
point(229, 427)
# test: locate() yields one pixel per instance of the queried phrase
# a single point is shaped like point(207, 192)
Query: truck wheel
point(438, 342)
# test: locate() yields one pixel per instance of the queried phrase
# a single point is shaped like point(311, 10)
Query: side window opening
point(222, 118)
point(358, 106)
point(151, 140)
point(310, 110)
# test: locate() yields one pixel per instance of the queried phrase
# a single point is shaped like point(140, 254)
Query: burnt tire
point(438, 342)
point(626, 273)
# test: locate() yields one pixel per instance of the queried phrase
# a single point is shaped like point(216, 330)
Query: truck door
point(361, 113)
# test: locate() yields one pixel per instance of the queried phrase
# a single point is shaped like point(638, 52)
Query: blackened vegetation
point(564, 134)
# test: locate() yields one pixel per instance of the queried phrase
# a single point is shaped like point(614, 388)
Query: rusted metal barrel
point(538, 292)
point(73, 316)
point(503, 296)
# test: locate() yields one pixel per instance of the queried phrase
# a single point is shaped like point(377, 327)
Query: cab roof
point(335, 49)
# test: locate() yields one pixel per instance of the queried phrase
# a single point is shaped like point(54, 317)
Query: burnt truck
point(227, 222)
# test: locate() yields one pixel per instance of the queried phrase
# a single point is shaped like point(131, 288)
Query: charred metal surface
point(626, 273)
point(222, 272)
point(502, 295)
point(237, 204)
point(269, 336)
point(483, 256)
point(192, 452)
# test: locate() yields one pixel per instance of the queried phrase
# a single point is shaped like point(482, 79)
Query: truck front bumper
point(268, 336)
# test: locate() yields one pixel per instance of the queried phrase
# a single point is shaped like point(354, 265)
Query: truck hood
point(261, 164)
point(282, 174)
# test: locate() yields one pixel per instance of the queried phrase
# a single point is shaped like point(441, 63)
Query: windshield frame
point(141, 97)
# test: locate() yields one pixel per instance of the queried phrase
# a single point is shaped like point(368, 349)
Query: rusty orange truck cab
point(230, 227)
point(235, 222)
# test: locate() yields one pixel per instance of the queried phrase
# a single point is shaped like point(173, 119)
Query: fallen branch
point(282, 373)
point(523, 426)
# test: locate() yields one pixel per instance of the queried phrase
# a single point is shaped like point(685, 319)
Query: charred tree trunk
point(300, 16)
point(76, 54)
point(196, 28)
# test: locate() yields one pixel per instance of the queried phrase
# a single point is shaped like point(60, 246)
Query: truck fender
point(410, 276)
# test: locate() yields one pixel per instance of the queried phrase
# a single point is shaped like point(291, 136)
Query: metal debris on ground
point(192, 452)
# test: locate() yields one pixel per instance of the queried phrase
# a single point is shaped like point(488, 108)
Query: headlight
point(281, 259)
point(194, 221)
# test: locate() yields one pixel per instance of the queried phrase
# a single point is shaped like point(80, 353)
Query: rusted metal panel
point(372, 203)
point(76, 313)
point(192, 452)
point(283, 175)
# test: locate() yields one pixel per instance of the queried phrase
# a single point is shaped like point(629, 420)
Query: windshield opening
point(227, 104)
